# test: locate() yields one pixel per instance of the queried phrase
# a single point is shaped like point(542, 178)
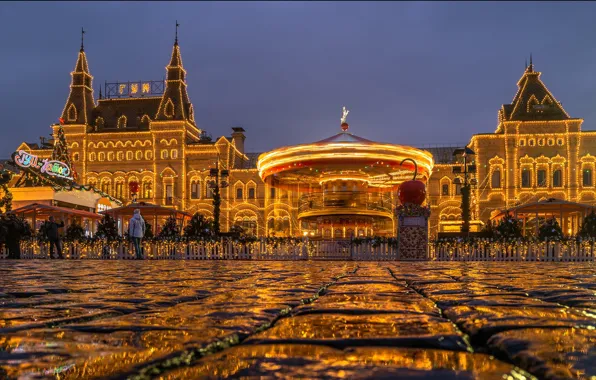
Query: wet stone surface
point(186, 320)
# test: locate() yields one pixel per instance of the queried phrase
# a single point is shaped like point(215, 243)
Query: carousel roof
point(345, 137)
point(344, 155)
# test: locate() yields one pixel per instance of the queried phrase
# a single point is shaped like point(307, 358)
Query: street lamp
point(218, 181)
point(468, 170)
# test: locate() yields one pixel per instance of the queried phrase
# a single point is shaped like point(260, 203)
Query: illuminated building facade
point(146, 132)
point(537, 152)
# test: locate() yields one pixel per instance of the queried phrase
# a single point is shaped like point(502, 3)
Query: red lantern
point(412, 191)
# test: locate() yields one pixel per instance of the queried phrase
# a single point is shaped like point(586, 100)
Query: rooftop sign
point(134, 89)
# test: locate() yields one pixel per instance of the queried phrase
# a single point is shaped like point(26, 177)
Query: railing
point(316, 250)
point(222, 250)
point(518, 251)
point(348, 201)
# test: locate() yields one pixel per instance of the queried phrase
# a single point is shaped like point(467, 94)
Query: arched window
point(101, 156)
point(148, 155)
point(120, 156)
point(239, 194)
point(558, 178)
point(122, 122)
point(541, 178)
point(495, 181)
point(587, 177)
point(445, 189)
point(139, 155)
point(105, 186)
point(110, 156)
point(92, 156)
point(164, 154)
point(147, 189)
point(129, 155)
point(75, 157)
point(251, 193)
point(72, 113)
point(119, 189)
point(174, 154)
point(526, 179)
point(195, 189)
point(208, 190)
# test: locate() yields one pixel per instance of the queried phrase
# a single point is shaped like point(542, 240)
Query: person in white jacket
point(136, 231)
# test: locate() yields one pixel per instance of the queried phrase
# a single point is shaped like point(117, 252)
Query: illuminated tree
point(588, 228)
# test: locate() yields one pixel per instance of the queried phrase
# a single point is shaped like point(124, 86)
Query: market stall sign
point(46, 166)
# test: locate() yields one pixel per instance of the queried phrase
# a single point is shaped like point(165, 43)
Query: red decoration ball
point(133, 187)
point(412, 192)
point(344, 126)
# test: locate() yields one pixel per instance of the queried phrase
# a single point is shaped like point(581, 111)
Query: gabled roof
point(134, 109)
point(533, 101)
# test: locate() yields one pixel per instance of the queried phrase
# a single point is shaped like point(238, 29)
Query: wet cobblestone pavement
point(220, 319)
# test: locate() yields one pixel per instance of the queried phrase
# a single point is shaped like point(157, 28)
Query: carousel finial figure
point(344, 116)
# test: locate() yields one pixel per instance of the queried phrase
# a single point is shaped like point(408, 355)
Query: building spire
point(82, 40)
point(176, 40)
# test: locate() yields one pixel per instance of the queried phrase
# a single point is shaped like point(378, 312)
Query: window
point(129, 156)
point(75, 157)
point(495, 181)
point(209, 190)
point(239, 194)
point(148, 154)
point(251, 193)
point(92, 156)
point(122, 122)
point(522, 142)
point(272, 194)
point(557, 178)
point(541, 178)
point(120, 156)
point(119, 188)
point(147, 190)
point(587, 177)
point(540, 142)
point(139, 155)
point(560, 142)
point(101, 156)
point(458, 189)
point(526, 179)
point(551, 142)
point(105, 187)
point(195, 190)
point(164, 154)
point(110, 156)
point(531, 142)
point(174, 154)
point(445, 189)
point(169, 195)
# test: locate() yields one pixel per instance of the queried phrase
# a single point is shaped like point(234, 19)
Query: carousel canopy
point(344, 155)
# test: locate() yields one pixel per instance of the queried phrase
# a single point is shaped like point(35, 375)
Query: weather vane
point(344, 116)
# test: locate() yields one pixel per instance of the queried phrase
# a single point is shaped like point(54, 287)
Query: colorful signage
point(46, 166)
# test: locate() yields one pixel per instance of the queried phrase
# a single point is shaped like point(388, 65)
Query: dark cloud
point(410, 72)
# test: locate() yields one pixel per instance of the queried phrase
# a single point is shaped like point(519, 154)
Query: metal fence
point(317, 250)
point(568, 251)
point(222, 250)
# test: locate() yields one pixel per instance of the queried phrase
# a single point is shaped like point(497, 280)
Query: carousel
point(346, 184)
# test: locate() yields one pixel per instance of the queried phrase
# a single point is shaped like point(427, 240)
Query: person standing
point(14, 231)
point(136, 231)
point(54, 236)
